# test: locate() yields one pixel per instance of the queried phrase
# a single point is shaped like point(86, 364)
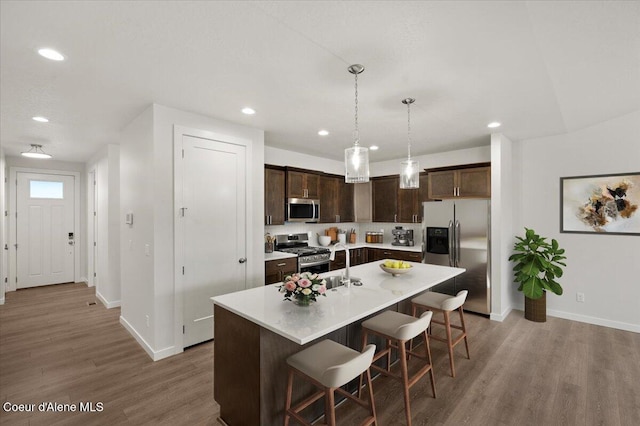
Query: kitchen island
point(255, 331)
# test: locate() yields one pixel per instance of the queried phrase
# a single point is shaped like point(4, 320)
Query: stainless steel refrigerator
point(457, 233)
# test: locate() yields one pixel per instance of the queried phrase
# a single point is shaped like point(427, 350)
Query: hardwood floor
point(55, 347)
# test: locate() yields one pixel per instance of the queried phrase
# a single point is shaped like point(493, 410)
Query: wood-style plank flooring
point(55, 347)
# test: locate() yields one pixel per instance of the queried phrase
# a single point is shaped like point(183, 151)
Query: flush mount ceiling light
point(248, 111)
point(40, 119)
point(323, 133)
point(51, 54)
point(373, 147)
point(356, 158)
point(35, 152)
point(409, 169)
point(493, 125)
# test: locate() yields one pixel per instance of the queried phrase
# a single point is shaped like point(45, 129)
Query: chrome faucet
point(347, 277)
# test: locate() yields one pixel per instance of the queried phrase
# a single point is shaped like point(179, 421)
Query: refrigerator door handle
point(457, 243)
point(451, 245)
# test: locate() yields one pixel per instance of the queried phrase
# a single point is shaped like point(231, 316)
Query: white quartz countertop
point(265, 305)
point(277, 255)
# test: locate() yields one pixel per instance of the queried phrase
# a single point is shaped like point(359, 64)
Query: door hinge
point(16, 246)
point(16, 279)
point(183, 153)
point(183, 270)
point(94, 244)
point(183, 329)
point(94, 275)
point(183, 211)
point(94, 213)
point(5, 280)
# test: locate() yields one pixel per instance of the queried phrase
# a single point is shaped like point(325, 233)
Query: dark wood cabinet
point(376, 254)
point(358, 256)
point(336, 200)
point(392, 204)
point(274, 201)
point(339, 262)
point(276, 270)
point(302, 184)
point(385, 198)
point(423, 191)
point(472, 182)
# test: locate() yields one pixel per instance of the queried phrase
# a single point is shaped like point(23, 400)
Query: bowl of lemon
point(395, 267)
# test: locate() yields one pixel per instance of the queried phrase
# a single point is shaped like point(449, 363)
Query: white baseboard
point(2, 301)
point(107, 304)
point(635, 328)
point(502, 316)
point(84, 280)
point(153, 354)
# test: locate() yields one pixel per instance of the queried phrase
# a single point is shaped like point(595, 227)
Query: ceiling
point(540, 68)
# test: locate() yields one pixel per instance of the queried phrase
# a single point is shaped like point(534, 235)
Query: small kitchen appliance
point(402, 237)
point(310, 259)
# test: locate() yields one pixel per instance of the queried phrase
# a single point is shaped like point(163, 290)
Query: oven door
point(315, 268)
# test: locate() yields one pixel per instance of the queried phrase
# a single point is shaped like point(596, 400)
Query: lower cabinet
point(276, 270)
point(375, 254)
point(339, 262)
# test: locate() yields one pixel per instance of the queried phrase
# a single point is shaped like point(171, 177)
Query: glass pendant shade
point(356, 160)
point(409, 174)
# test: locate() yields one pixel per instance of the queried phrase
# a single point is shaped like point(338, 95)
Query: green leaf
point(532, 288)
point(529, 233)
point(555, 287)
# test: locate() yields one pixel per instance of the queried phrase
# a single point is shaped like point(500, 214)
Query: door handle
point(71, 243)
point(242, 260)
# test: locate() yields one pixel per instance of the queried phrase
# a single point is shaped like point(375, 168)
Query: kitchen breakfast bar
point(256, 331)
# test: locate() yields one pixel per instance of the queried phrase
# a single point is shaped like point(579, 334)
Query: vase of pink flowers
point(303, 288)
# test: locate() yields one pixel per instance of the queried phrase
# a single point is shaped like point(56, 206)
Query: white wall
point(105, 165)
point(281, 157)
point(3, 230)
point(52, 164)
point(450, 158)
point(603, 267)
point(502, 212)
point(146, 164)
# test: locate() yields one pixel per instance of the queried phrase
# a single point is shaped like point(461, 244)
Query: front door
point(45, 233)
point(214, 229)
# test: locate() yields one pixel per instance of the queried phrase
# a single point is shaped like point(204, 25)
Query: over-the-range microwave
point(303, 210)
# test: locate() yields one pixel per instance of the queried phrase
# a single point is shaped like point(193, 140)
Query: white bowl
point(324, 240)
point(395, 271)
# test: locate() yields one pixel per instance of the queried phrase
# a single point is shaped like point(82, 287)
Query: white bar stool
point(400, 328)
point(445, 304)
point(329, 365)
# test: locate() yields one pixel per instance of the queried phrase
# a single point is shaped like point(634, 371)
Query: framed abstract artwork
point(601, 204)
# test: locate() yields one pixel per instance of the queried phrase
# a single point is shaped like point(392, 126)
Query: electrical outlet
point(147, 318)
point(580, 297)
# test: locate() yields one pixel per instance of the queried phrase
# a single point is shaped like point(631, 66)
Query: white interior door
point(45, 233)
point(214, 223)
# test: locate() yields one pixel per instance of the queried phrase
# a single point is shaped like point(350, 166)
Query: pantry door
point(45, 234)
point(213, 220)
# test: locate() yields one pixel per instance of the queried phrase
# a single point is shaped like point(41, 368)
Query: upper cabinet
point(336, 200)
point(473, 182)
point(274, 201)
point(301, 184)
point(392, 204)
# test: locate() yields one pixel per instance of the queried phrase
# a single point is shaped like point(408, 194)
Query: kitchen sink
point(336, 281)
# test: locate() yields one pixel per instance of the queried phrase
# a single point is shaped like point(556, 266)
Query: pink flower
point(295, 278)
point(322, 289)
point(290, 286)
point(304, 283)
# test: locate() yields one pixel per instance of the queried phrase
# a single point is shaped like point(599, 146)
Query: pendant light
point(35, 152)
point(356, 158)
point(409, 169)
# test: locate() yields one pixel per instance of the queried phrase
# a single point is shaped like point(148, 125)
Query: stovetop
point(305, 251)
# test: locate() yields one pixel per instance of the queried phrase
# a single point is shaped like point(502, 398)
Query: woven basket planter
point(536, 309)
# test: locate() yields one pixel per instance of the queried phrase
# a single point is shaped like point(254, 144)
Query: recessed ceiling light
point(323, 133)
point(51, 54)
point(493, 125)
point(248, 111)
point(41, 119)
point(373, 147)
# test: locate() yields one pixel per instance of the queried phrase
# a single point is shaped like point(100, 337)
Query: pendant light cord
point(409, 130)
point(357, 132)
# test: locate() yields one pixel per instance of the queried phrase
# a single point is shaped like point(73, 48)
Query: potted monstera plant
point(538, 264)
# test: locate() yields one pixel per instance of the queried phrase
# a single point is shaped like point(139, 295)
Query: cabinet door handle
point(281, 264)
point(454, 191)
point(395, 218)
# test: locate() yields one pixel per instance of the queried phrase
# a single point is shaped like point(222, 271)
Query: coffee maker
point(402, 237)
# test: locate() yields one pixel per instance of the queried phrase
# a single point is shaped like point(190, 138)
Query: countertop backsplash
point(361, 229)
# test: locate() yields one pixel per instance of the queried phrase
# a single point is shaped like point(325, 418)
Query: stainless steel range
point(310, 259)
